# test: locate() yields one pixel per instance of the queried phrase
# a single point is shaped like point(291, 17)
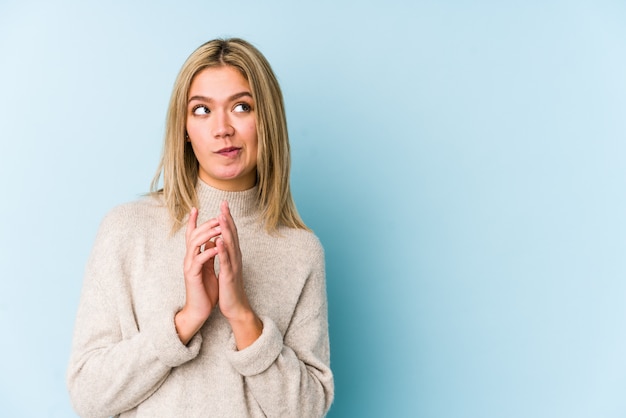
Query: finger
point(231, 221)
point(204, 234)
point(204, 227)
point(191, 226)
point(199, 260)
point(225, 260)
point(206, 246)
point(229, 230)
point(198, 243)
point(211, 223)
point(191, 222)
point(206, 255)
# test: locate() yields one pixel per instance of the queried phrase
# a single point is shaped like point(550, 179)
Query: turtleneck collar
point(242, 204)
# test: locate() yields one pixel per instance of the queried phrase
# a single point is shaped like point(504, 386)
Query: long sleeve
point(127, 359)
point(290, 376)
point(114, 365)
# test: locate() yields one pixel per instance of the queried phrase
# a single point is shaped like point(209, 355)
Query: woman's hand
point(234, 304)
point(201, 286)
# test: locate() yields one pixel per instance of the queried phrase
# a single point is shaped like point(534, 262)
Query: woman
point(207, 298)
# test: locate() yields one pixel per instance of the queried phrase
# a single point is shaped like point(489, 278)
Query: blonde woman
point(207, 298)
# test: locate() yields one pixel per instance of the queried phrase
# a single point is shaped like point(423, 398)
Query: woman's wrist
point(247, 328)
point(187, 324)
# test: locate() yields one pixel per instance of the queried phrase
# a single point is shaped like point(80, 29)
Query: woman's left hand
point(233, 301)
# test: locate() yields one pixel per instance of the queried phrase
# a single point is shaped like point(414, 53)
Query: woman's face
point(221, 125)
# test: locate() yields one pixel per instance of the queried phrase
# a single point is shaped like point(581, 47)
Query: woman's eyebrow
point(230, 99)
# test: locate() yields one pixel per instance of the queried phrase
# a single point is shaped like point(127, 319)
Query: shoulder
point(127, 228)
point(302, 242)
point(143, 213)
point(144, 208)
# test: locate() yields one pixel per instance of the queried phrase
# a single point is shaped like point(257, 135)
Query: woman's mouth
point(229, 152)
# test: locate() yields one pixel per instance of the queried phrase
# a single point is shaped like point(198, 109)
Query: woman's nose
point(222, 126)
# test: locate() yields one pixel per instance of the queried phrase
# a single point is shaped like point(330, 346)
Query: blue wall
point(464, 164)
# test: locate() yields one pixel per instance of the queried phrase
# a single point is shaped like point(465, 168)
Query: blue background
point(462, 162)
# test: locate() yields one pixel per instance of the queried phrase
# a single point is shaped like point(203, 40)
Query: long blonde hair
point(179, 165)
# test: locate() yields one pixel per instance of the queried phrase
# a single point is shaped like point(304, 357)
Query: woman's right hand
point(201, 286)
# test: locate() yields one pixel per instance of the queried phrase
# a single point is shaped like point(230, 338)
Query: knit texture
point(127, 359)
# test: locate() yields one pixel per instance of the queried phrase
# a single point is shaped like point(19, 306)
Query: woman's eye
point(201, 110)
point(243, 107)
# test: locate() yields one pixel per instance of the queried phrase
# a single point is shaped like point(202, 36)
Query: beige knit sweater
point(127, 359)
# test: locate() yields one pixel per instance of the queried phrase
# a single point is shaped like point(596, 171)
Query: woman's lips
point(229, 152)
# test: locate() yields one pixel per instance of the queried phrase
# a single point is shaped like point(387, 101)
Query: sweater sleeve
point(290, 376)
point(114, 365)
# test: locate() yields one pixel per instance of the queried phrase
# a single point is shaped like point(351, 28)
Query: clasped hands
point(204, 288)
